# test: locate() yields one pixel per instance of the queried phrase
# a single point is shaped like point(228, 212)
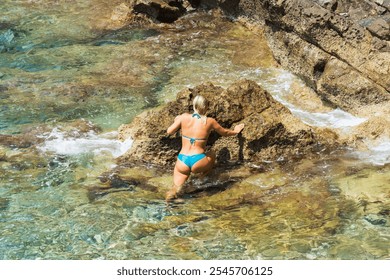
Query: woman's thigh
point(180, 173)
point(205, 164)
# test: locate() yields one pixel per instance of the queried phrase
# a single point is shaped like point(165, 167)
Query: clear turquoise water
point(54, 200)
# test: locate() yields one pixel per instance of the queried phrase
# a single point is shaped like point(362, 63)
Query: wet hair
point(200, 104)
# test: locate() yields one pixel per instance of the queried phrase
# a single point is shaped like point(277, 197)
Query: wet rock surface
point(271, 131)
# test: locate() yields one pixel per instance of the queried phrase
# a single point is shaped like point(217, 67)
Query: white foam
point(279, 86)
point(57, 142)
point(378, 154)
point(335, 119)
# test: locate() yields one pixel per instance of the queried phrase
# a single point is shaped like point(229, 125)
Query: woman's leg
point(180, 176)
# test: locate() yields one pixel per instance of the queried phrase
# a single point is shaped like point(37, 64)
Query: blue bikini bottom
point(190, 160)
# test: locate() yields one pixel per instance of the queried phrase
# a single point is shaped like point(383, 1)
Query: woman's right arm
point(226, 132)
point(175, 126)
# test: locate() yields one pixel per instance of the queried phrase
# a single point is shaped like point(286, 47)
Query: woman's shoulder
point(211, 120)
point(185, 115)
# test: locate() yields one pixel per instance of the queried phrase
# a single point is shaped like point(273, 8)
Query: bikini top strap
point(192, 139)
point(196, 115)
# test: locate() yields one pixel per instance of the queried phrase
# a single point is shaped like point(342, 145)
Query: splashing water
point(280, 87)
point(334, 119)
point(57, 142)
point(377, 154)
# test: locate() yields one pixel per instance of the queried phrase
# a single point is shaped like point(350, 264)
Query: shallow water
point(63, 197)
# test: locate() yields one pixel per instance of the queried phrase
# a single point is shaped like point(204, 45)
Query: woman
point(195, 130)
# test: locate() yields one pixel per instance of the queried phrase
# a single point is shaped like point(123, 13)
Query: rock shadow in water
point(113, 183)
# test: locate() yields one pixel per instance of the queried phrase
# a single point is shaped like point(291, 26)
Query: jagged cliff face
point(340, 48)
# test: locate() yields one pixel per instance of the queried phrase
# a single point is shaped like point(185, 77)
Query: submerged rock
point(271, 131)
point(369, 188)
point(4, 203)
point(6, 37)
point(3, 154)
point(376, 220)
point(19, 141)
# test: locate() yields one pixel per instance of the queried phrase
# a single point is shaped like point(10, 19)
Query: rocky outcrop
point(340, 48)
point(271, 131)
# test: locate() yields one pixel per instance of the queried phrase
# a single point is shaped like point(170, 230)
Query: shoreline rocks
point(340, 49)
point(271, 131)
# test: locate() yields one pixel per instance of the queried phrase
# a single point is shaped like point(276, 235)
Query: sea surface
point(71, 72)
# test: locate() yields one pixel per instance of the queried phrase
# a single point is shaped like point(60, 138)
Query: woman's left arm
point(175, 126)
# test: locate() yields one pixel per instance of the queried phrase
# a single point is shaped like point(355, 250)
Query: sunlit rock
point(338, 47)
point(120, 15)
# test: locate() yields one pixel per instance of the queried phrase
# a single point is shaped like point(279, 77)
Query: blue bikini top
point(193, 139)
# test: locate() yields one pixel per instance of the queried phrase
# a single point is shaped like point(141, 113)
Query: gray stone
point(380, 27)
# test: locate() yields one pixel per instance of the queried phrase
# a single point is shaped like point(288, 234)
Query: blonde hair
point(200, 105)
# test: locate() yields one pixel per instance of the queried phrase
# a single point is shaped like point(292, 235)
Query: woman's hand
point(238, 128)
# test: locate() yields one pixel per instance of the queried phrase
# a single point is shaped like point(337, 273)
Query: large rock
point(271, 131)
point(337, 47)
